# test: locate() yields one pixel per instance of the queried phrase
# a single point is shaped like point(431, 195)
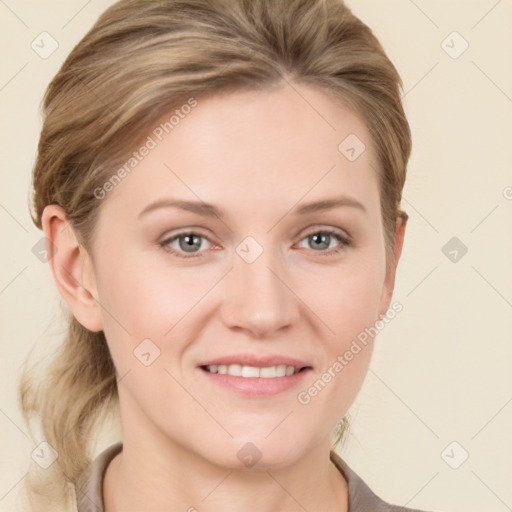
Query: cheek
point(348, 306)
point(149, 300)
point(152, 309)
point(347, 300)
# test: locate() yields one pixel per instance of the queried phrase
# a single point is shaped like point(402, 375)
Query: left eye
point(324, 240)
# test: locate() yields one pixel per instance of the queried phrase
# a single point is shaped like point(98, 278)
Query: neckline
point(90, 486)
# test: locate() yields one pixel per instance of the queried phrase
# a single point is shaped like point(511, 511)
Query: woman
point(220, 184)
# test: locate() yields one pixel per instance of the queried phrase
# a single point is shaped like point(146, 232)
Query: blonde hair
point(142, 59)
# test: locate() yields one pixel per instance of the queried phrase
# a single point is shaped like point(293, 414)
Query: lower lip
point(256, 386)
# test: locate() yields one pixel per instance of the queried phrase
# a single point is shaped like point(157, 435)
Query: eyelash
point(344, 242)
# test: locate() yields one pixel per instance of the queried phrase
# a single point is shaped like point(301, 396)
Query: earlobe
point(72, 268)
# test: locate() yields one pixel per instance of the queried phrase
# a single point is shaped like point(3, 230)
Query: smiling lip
point(256, 386)
point(259, 362)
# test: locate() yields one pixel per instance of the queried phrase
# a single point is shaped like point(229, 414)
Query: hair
point(142, 59)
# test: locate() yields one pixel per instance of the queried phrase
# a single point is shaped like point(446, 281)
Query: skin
point(257, 156)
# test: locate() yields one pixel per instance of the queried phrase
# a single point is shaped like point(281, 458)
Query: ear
point(72, 268)
point(389, 281)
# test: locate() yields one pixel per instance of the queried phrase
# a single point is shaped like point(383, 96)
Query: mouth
point(253, 372)
point(252, 376)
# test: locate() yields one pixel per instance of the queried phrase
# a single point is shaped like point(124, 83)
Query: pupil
point(191, 242)
point(322, 239)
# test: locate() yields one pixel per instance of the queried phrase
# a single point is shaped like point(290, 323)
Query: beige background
point(442, 369)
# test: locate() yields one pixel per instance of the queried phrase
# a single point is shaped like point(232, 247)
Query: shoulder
point(361, 497)
point(89, 489)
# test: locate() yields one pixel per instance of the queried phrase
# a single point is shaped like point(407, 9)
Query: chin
point(260, 453)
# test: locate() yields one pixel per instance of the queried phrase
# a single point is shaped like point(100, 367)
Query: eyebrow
point(209, 210)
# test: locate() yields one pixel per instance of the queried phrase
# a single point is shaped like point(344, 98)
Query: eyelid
point(171, 238)
point(192, 230)
point(322, 228)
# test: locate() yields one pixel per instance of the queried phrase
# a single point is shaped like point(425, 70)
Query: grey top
point(89, 491)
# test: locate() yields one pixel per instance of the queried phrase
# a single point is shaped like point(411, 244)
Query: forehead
point(247, 149)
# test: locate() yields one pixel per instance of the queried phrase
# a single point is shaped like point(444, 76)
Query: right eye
point(185, 245)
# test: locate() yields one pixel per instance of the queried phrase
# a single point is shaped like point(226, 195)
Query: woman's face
point(223, 249)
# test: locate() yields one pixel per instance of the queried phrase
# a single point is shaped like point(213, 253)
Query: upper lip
point(257, 361)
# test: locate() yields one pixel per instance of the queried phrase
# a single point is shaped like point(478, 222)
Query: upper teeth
point(237, 370)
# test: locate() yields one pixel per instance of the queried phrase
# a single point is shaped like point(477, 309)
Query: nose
point(258, 298)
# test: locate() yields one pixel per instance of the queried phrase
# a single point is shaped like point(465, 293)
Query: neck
point(155, 473)
point(157, 478)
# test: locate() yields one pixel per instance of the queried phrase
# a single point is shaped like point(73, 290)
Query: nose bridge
point(257, 300)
